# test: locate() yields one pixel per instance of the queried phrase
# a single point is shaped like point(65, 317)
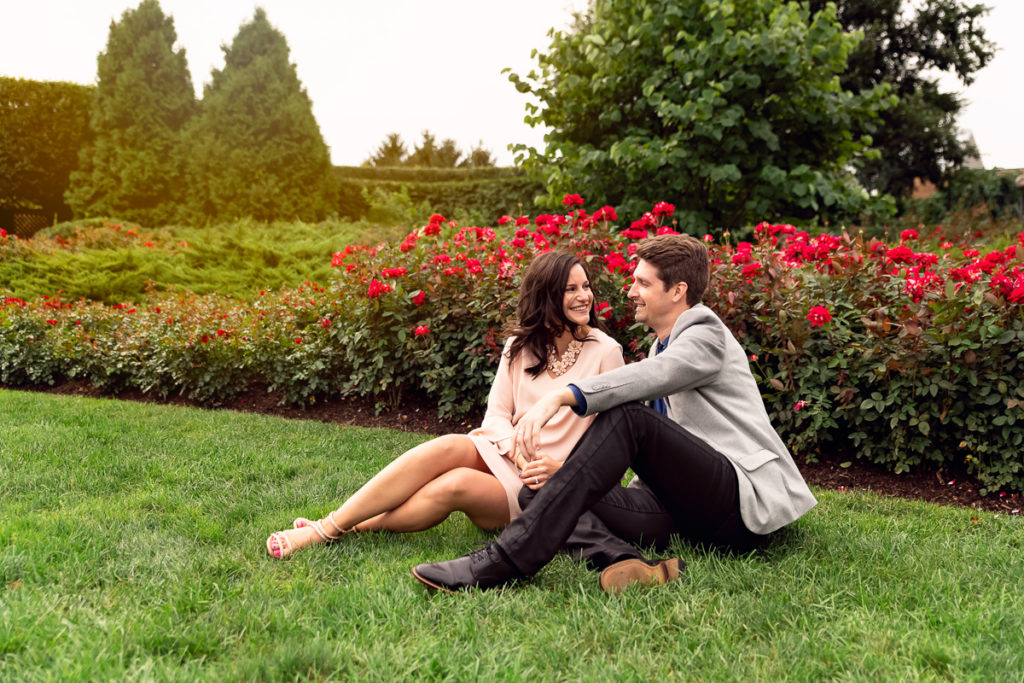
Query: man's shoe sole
point(616, 577)
point(430, 584)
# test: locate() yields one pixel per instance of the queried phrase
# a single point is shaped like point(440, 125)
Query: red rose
point(419, 298)
point(818, 315)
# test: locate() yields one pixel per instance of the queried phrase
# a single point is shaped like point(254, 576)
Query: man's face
point(655, 307)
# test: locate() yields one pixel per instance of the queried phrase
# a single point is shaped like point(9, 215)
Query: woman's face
point(578, 298)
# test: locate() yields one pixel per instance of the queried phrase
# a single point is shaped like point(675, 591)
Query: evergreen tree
point(448, 154)
point(255, 148)
point(391, 152)
point(479, 157)
point(426, 153)
point(144, 97)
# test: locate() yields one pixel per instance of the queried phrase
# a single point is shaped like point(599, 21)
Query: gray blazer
point(704, 376)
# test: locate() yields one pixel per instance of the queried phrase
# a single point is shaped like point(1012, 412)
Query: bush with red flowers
point(903, 354)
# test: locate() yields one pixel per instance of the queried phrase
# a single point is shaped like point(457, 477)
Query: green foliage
point(43, 125)
point(482, 194)
point(391, 152)
point(967, 189)
point(134, 166)
point(112, 262)
point(902, 355)
point(255, 150)
point(408, 176)
point(918, 363)
point(906, 45)
point(729, 110)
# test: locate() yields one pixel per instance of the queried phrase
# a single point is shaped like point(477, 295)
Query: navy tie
point(659, 403)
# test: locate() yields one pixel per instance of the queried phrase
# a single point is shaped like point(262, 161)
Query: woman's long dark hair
point(540, 313)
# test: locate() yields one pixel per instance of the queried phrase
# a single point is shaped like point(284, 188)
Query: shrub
point(901, 354)
point(44, 126)
point(482, 194)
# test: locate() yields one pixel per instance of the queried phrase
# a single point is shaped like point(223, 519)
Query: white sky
point(374, 67)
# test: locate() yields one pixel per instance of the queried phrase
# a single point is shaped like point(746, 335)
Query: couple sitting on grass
point(566, 419)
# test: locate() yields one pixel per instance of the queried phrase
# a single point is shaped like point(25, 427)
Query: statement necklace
point(559, 366)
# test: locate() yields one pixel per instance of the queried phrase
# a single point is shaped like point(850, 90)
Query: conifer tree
point(255, 148)
point(144, 96)
point(425, 154)
point(391, 152)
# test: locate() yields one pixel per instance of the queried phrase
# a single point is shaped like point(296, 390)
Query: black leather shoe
point(616, 577)
point(483, 568)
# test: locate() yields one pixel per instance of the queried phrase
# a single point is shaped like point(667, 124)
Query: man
point(704, 451)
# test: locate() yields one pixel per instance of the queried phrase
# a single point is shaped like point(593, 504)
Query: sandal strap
point(337, 529)
point(319, 529)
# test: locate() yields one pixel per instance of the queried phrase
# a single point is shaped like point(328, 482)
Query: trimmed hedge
point(486, 192)
point(903, 355)
point(420, 174)
point(44, 126)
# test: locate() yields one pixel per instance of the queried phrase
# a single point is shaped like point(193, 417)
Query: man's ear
point(679, 292)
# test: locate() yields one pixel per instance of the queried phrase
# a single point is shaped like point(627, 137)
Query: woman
point(557, 339)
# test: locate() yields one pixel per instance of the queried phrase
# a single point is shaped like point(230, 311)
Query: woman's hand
point(537, 472)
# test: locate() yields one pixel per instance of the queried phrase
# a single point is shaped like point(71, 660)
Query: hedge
point(487, 193)
point(904, 355)
point(44, 124)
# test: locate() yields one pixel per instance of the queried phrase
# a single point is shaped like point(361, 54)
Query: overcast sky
point(381, 66)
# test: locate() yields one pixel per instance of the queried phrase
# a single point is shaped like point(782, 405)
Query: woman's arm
point(497, 422)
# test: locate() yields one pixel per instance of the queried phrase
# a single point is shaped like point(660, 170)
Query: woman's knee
point(456, 486)
point(457, 449)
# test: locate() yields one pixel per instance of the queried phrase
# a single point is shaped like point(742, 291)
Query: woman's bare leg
point(388, 489)
point(478, 494)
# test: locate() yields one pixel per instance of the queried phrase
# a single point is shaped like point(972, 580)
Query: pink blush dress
point(513, 392)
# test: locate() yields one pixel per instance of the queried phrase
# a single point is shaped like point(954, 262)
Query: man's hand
point(527, 435)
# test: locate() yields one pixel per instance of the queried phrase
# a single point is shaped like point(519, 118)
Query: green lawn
point(133, 549)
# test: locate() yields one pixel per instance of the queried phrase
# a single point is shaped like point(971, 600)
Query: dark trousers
point(583, 507)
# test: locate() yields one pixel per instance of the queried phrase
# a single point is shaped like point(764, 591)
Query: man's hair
point(678, 258)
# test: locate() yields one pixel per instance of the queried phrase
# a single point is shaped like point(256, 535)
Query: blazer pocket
point(752, 461)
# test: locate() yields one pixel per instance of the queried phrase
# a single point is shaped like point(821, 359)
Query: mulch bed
point(418, 415)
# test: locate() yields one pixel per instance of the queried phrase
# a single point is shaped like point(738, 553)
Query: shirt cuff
point(581, 402)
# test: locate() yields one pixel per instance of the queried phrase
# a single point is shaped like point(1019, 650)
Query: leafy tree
point(907, 45)
point(144, 97)
point(732, 110)
point(391, 152)
point(43, 126)
point(255, 148)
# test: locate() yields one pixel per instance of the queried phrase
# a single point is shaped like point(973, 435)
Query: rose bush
point(901, 354)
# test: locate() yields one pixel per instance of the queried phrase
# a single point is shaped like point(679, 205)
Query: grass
point(133, 535)
point(236, 259)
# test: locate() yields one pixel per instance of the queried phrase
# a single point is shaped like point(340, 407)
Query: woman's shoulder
point(602, 338)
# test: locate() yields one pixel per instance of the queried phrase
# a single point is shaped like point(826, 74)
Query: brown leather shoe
point(616, 577)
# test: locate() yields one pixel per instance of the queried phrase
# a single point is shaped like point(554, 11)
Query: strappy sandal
point(284, 545)
point(302, 522)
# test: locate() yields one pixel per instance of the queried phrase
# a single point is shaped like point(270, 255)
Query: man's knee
point(526, 495)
